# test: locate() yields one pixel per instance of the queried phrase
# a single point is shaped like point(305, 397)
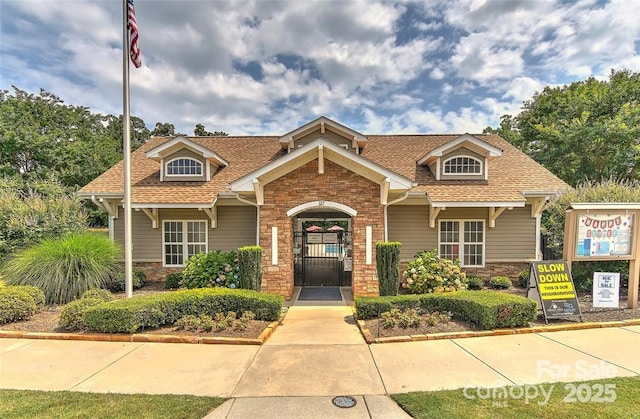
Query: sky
point(267, 67)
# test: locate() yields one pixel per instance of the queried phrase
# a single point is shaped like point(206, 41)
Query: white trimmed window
point(463, 240)
point(181, 240)
point(184, 166)
point(462, 165)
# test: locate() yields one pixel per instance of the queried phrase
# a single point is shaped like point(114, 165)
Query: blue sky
point(265, 67)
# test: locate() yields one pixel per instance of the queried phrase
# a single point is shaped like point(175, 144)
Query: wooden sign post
point(607, 231)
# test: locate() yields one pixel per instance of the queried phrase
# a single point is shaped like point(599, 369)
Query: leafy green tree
point(588, 130)
point(140, 134)
point(35, 210)
point(202, 132)
point(165, 129)
point(40, 135)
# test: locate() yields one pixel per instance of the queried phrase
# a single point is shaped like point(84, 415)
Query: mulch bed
point(589, 314)
point(46, 320)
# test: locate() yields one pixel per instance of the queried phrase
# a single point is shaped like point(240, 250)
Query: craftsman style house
point(473, 197)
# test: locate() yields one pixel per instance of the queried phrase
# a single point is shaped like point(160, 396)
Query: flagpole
point(126, 140)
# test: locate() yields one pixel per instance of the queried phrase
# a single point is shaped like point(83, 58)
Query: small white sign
point(314, 238)
point(348, 264)
point(606, 289)
point(330, 238)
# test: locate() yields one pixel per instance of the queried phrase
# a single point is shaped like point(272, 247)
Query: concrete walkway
point(315, 355)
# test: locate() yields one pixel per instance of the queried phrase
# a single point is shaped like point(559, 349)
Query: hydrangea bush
point(428, 273)
point(213, 269)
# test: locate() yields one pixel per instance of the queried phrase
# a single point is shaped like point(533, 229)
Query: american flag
point(134, 46)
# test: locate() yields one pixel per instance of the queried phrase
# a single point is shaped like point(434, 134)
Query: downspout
point(257, 215)
point(395, 201)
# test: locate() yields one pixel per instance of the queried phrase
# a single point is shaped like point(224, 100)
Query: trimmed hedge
point(99, 293)
point(250, 264)
point(35, 293)
point(488, 309)
point(18, 302)
point(150, 311)
point(72, 314)
point(388, 267)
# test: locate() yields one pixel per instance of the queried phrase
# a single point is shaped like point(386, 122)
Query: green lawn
point(70, 404)
point(619, 398)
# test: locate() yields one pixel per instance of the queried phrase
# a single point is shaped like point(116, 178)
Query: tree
point(40, 136)
point(165, 129)
point(202, 132)
point(140, 134)
point(588, 130)
point(33, 210)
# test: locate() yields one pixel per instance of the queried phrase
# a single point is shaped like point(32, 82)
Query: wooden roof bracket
point(258, 188)
point(494, 213)
point(110, 206)
point(384, 191)
point(152, 213)
point(212, 213)
point(537, 207)
point(433, 214)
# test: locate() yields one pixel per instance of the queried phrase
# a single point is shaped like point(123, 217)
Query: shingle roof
point(509, 174)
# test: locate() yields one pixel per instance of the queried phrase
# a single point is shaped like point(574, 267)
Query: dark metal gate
point(322, 258)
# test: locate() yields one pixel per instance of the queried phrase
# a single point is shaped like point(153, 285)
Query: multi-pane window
point(183, 239)
point(184, 167)
point(463, 240)
point(462, 166)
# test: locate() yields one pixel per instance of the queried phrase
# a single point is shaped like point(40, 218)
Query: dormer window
point(184, 160)
point(183, 166)
point(462, 165)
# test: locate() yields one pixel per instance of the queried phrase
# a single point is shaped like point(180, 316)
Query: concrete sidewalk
point(315, 355)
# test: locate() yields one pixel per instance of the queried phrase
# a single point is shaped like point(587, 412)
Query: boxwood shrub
point(149, 311)
point(35, 293)
point(72, 314)
point(487, 309)
point(18, 303)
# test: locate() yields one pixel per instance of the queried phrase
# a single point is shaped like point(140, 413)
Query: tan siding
point(147, 241)
point(514, 236)
point(236, 227)
point(409, 224)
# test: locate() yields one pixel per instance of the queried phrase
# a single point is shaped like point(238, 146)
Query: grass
point(454, 404)
point(65, 267)
point(69, 404)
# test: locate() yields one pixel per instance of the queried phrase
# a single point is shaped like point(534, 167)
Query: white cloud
point(520, 89)
point(436, 74)
point(263, 67)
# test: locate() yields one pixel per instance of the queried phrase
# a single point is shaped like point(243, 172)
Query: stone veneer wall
point(508, 269)
point(155, 271)
point(303, 185)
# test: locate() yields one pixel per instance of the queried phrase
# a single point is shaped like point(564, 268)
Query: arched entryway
point(322, 244)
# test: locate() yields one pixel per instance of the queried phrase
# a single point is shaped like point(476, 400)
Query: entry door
point(322, 259)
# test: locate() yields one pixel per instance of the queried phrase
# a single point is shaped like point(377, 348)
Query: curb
point(368, 337)
point(146, 337)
